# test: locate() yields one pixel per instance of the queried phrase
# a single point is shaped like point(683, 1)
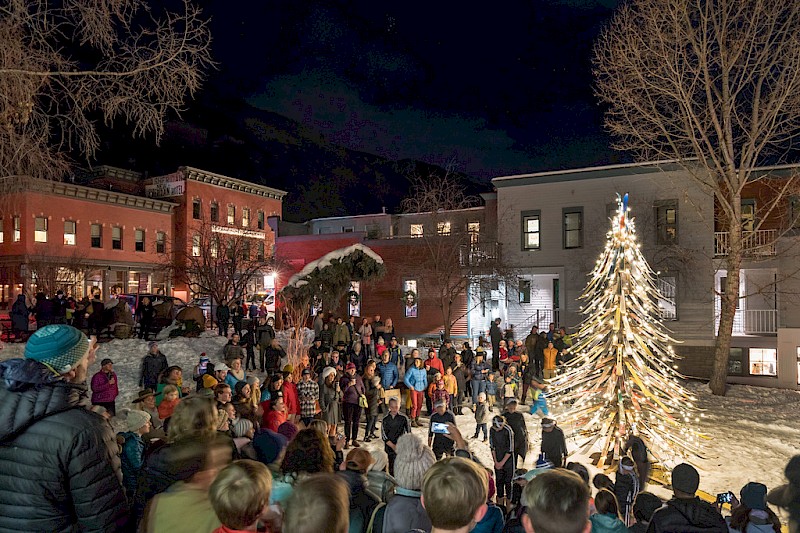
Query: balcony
point(754, 322)
point(479, 254)
point(759, 243)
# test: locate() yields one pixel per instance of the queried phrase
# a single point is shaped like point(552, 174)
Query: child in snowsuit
point(491, 391)
point(481, 416)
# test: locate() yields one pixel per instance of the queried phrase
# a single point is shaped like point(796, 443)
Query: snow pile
point(752, 431)
point(298, 280)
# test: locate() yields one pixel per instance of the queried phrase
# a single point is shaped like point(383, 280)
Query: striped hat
point(57, 346)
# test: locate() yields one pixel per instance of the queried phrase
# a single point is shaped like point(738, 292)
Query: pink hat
point(350, 365)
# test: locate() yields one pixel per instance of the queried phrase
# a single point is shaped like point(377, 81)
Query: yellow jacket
point(450, 384)
point(550, 358)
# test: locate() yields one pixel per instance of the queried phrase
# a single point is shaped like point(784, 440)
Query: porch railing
point(756, 243)
point(754, 321)
point(479, 254)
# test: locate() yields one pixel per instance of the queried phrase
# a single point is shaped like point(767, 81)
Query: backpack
point(375, 524)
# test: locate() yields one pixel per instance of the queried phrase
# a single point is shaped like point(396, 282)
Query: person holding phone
point(438, 436)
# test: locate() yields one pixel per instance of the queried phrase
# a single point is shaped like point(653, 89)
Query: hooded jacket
point(687, 516)
point(58, 461)
point(607, 523)
point(362, 501)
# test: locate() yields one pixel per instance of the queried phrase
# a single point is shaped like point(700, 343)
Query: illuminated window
point(667, 302)
point(763, 362)
point(196, 246)
point(97, 236)
point(245, 217)
point(410, 298)
point(443, 228)
point(161, 242)
point(17, 222)
point(69, 232)
point(531, 234)
point(214, 249)
point(116, 238)
point(40, 230)
point(214, 212)
point(231, 215)
point(139, 236)
point(1, 230)
point(474, 230)
point(524, 291)
point(416, 230)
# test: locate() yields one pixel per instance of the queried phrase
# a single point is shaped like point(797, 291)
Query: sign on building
point(165, 186)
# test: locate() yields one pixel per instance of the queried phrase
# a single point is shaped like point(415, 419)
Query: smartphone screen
point(724, 497)
point(439, 427)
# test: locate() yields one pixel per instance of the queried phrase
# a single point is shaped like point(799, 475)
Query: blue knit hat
point(58, 346)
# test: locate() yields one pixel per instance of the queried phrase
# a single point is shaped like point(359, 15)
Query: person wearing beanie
point(554, 445)
point(138, 423)
point(105, 387)
point(153, 364)
point(66, 472)
point(362, 500)
point(330, 396)
point(405, 511)
point(352, 387)
point(752, 515)
point(685, 511)
point(643, 508)
point(291, 398)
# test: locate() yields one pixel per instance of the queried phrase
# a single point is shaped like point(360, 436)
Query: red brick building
point(114, 229)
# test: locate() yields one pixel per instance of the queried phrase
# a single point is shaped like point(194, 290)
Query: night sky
point(489, 88)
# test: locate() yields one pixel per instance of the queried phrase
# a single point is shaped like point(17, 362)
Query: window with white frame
point(763, 361)
point(116, 238)
point(139, 240)
point(524, 291)
point(97, 235)
point(40, 229)
point(443, 228)
point(474, 230)
point(196, 246)
point(69, 232)
point(17, 223)
point(667, 296)
point(214, 248)
point(531, 230)
point(416, 230)
point(245, 217)
point(231, 215)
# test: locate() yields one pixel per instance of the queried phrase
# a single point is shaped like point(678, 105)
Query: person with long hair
point(753, 515)
point(607, 519)
point(330, 396)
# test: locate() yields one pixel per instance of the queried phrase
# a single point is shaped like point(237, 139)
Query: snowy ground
point(754, 431)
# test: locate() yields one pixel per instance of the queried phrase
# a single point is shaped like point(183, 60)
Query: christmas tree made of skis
point(622, 379)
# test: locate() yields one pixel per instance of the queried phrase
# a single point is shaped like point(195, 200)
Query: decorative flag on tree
point(622, 379)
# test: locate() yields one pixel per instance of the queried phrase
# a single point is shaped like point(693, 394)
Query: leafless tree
point(50, 270)
point(220, 262)
point(66, 65)
point(452, 259)
point(715, 85)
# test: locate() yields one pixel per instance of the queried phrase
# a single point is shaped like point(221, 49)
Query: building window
point(443, 228)
point(195, 245)
point(410, 298)
point(416, 230)
point(573, 227)
point(260, 251)
point(214, 248)
point(246, 250)
point(763, 362)
point(748, 214)
point(736, 362)
point(667, 222)
point(17, 223)
point(260, 219)
point(667, 300)
point(116, 238)
point(2, 237)
point(40, 229)
point(196, 209)
point(161, 242)
point(139, 236)
point(245, 217)
point(69, 232)
point(524, 291)
point(231, 215)
point(474, 230)
point(348, 229)
point(214, 212)
point(97, 236)
point(531, 230)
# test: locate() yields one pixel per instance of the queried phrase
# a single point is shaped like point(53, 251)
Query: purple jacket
point(351, 394)
point(102, 390)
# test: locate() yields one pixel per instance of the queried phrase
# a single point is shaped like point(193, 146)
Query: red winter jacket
point(290, 398)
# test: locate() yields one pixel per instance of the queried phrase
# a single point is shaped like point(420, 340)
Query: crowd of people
point(228, 453)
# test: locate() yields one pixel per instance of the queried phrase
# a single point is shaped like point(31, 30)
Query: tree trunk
point(446, 312)
point(728, 303)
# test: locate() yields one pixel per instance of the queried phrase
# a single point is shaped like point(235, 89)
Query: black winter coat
point(59, 468)
point(554, 446)
point(687, 516)
point(362, 501)
point(152, 367)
